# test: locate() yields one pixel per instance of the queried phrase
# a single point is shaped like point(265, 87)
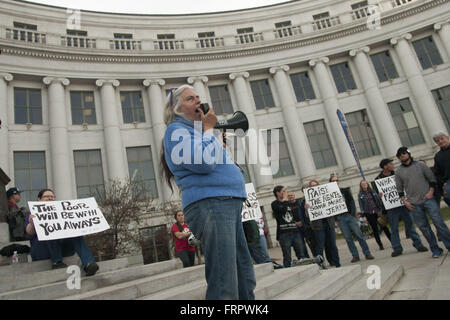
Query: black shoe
point(381, 247)
point(91, 269)
point(422, 249)
point(59, 265)
point(396, 253)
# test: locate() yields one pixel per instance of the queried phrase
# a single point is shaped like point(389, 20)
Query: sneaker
point(396, 253)
point(355, 259)
point(422, 249)
point(320, 261)
point(437, 254)
point(369, 257)
point(91, 269)
point(59, 265)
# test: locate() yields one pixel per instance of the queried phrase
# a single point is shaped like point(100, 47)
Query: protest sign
point(250, 207)
point(325, 201)
point(390, 196)
point(67, 219)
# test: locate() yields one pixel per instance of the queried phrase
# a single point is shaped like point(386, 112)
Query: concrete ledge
point(390, 275)
point(324, 287)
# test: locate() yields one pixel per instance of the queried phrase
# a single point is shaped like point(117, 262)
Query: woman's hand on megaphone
point(209, 120)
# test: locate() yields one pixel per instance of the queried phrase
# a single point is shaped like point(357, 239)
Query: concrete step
point(323, 287)
point(23, 257)
point(17, 279)
point(197, 290)
point(359, 290)
point(441, 283)
point(101, 279)
point(144, 286)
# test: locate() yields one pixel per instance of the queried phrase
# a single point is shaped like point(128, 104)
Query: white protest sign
point(325, 201)
point(250, 207)
point(66, 219)
point(388, 188)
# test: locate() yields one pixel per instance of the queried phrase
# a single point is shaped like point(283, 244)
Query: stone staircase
point(128, 279)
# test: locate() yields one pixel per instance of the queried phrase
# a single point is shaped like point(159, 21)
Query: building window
point(285, 167)
point(78, 39)
point(27, 106)
point(132, 106)
point(246, 35)
point(208, 40)
point(384, 66)
point(83, 107)
point(362, 134)
point(406, 122)
point(442, 98)
point(239, 154)
point(124, 41)
point(322, 20)
point(141, 169)
point(359, 10)
point(427, 52)
point(302, 86)
point(343, 77)
point(320, 144)
point(30, 174)
point(166, 41)
point(25, 33)
point(220, 99)
point(89, 173)
point(262, 94)
point(284, 29)
point(155, 244)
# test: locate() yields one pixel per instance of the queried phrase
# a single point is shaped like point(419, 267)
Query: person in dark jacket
point(349, 224)
point(15, 217)
point(371, 206)
point(442, 164)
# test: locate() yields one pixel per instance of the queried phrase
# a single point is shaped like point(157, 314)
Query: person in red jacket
point(181, 233)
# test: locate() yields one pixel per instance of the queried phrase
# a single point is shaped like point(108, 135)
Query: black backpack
point(8, 251)
point(251, 231)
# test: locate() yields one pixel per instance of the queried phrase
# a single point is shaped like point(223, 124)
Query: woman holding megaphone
point(212, 191)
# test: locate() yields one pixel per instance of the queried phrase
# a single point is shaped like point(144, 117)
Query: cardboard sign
point(250, 207)
point(388, 188)
point(325, 201)
point(67, 219)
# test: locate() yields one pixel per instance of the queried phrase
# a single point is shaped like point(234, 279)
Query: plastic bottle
point(15, 257)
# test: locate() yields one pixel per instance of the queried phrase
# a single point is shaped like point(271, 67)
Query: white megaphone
point(193, 241)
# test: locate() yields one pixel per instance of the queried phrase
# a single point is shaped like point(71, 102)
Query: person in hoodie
point(212, 193)
point(442, 164)
point(418, 182)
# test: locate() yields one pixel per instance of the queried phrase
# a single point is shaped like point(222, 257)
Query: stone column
point(115, 153)
point(443, 29)
point(60, 150)
point(426, 106)
point(257, 152)
point(295, 130)
point(331, 104)
point(199, 85)
point(4, 107)
point(158, 129)
point(379, 109)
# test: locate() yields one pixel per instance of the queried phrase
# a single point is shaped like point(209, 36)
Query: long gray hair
point(173, 103)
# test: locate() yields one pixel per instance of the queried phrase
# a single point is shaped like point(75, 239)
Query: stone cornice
point(7, 76)
point(242, 74)
point(149, 82)
point(55, 80)
point(113, 82)
point(190, 56)
point(354, 52)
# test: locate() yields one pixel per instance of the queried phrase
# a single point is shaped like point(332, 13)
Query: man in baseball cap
point(15, 216)
point(12, 191)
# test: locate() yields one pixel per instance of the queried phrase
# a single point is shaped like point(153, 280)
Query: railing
point(249, 38)
point(360, 13)
point(326, 23)
point(78, 42)
point(398, 3)
point(123, 44)
point(209, 42)
point(25, 35)
point(168, 44)
point(287, 32)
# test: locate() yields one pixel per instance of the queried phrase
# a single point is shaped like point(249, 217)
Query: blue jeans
point(435, 214)
point(67, 247)
point(349, 224)
point(217, 223)
point(447, 197)
point(327, 237)
point(394, 216)
point(288, 240)
point(259, 251)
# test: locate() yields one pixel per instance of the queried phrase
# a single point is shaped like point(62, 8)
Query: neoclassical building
point(82, 93)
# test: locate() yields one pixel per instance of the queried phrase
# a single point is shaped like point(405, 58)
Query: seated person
point(57, 249)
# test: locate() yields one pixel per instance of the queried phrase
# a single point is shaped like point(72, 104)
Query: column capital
point(235, 75)
point(405, 36)
point(192, 80)
point(49, 80)
point(6, 76)
point(149, 82)
point(354, 52)
point(314, 62)
point(284, 67)
point(439, 25)
point(113, 82)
